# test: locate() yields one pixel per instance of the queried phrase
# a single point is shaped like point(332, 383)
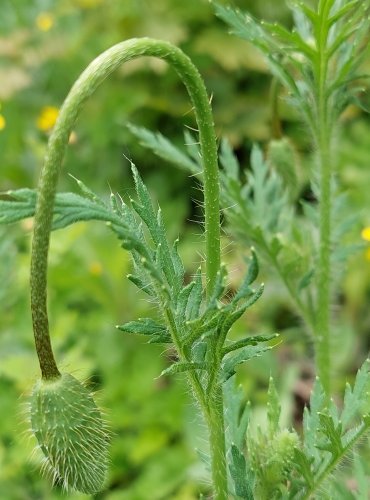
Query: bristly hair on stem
point(195, 318)
point(317, 62)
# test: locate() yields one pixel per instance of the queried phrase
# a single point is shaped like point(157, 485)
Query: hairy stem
point(84, 87)
point(213, 411)
point(323, 139)
point(215, 421)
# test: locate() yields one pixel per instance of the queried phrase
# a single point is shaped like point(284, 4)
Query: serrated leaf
point(218, 288)
point(342, 12)
point(304, 465)
point(17, 205)
point(252, 340)
point(177, 264)
point(311, 421)
point(290, 40)
point(241, 24)
point(181, 367)
point(164, 148)
point(198, 351)
point(237, 413)
point(252, 273)
point(356, 397)
point(256, 295)
point(144, 326)
point(231, 361)
point(243, 484)
point(284, 76)
point(141, 284)
point(182, 299)
point(332, 432)
point(87, 192)
point(68, 209)
point(195, 297)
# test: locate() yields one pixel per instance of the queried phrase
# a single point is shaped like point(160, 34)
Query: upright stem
point(84, 87)
point(215, 421)
point(324, 139)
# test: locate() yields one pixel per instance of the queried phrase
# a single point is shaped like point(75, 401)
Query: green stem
point(323, 139)
point(213, 412)
point(84, 87)
point(215, 421)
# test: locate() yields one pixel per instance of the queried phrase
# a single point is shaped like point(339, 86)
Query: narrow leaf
point(243, 483)
point(143, 326)
point(163, 148)
point(244, 289)
point(254, 340)
point(245, 354)
point(183, 367)
point(356, 397)
point(195, 297)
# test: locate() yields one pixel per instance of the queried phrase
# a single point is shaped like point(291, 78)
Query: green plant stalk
point(83, 88)
point(215, 421)
point(323, 141)
point(212, 406)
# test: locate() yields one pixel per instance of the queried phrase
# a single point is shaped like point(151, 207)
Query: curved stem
point(84, 87)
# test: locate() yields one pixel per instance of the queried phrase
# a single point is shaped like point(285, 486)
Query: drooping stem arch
point(83, 88)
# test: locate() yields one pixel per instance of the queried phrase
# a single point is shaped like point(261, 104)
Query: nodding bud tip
point(71, 433)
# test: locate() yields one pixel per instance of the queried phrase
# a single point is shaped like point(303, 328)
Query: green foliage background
point(155, 426)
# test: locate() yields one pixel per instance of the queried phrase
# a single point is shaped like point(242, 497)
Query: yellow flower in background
point(95, 268)
point(365, 233)
point(2, 122)
point(45, 21)
point(47, 118)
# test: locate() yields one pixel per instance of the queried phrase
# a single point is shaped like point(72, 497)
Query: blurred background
point(44, 45)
